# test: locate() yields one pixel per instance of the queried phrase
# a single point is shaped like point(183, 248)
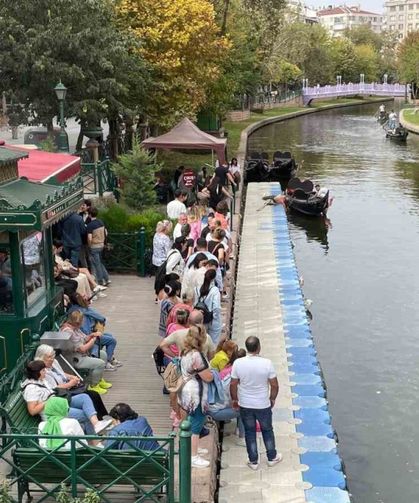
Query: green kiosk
point(29, 300)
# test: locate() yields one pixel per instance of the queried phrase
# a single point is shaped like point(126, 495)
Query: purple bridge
point(324, 92)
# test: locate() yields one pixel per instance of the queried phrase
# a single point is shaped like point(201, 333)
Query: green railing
point(151, 474)
point(98, 177)
point(127, 252)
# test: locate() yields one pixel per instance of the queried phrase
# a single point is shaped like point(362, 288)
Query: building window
point(410, 16)
point(417, 15)
point(401, 18)
point(401, 7)
point(410, 26)
point(393, 8)
point(392, 18)
point(400, 27)
point(411, 6)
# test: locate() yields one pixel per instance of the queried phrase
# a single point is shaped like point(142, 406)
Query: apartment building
point(337, 19)
point(401, 16)
point(299, 9)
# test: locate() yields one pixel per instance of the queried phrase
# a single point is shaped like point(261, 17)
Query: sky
point(369, 5)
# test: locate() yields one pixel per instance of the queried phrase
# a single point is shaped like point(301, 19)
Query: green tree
point(344, 60)
point(77, 42)
point(364, 35)
point(367, 61)
point(137, 171)
point(408, 61)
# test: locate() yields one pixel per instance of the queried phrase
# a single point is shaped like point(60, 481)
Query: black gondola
point(300, 197)
point(397, 134)
point(258, 169)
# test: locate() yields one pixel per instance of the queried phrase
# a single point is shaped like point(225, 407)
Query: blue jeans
point(108, 342)
point(82, 409)
point(227, 414)
point(249, 418)
point(99, 270)
point(73, 254)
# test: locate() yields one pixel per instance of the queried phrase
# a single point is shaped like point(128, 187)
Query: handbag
point(70, 273)
point(69, 393)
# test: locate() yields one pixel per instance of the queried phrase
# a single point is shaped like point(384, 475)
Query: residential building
point(338, 19)
point(304, 13)
point(402, 16)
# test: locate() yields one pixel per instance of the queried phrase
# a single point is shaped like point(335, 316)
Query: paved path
point(258, 312)
point(132, 317)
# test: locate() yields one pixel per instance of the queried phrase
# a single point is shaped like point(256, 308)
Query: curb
point(412, 128)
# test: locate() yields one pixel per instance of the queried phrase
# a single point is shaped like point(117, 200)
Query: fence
point(127, 252)
point(98, 177)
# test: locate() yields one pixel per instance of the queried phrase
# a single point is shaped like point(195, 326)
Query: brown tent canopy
point(186, 135)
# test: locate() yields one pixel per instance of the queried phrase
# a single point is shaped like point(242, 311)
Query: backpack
point(159, 280)
point(201, 306)
point(172, 376)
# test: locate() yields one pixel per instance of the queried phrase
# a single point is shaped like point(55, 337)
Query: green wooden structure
point(29, 300)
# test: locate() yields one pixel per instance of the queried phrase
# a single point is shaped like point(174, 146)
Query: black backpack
point(160, 279)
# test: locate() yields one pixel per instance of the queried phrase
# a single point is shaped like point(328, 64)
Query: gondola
point(397, 134)
point(300, 198)
point(259, 169)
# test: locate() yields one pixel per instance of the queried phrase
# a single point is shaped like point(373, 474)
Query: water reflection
point(316, 228)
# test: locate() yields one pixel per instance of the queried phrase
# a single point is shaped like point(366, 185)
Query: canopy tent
point(186, 135)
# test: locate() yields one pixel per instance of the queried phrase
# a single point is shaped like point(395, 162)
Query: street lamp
point(61, 91)
point(362, 79)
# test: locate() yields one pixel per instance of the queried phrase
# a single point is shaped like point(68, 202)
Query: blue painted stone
point(321, 460)
point(313, 415)
point(318, 444)
point(327, 495)
point(306, 379)
point(310, 402)
point(316, 430)
point(302, 351)
point(326, 477)
point(298, 343)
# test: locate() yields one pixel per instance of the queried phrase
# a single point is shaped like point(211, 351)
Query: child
point(225, 350)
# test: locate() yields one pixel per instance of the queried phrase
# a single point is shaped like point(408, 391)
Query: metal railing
point(127, 252)
point(98, 177)
point(81, 466)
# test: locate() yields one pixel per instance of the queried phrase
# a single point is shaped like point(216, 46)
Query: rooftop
point(344, 9)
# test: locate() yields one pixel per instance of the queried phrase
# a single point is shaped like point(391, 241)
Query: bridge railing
point(345, 89)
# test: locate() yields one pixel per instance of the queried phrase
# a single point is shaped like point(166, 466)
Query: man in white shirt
point(254, 388)
point(177, 206)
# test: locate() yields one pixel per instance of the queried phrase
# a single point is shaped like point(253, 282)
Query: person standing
point(84, 213)
point(96, 236)
point(177, 206)
point(72, 230)
point(254, 388)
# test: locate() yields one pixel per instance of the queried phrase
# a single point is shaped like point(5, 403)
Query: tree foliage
point(137, 171)
point(181, 41)
point(77, 42)
point(408, 60)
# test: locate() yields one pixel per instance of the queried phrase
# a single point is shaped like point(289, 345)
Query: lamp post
point(362, 80)
point(61, 91)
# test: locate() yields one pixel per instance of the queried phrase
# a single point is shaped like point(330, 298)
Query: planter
point(92, 132)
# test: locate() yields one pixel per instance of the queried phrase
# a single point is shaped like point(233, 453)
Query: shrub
point(137, 171)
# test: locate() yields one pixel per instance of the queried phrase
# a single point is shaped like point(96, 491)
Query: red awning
point(43, 166)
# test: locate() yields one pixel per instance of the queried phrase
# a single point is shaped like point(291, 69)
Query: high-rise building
point(337, 19)
point(401, 16)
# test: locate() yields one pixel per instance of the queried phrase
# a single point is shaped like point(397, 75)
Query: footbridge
point(324, 92)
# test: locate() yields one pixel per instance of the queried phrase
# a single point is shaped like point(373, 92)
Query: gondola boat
point(259, 169)
point(382, 117)
point(300, 198)
point(398, 134)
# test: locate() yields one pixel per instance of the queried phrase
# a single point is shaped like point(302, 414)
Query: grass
point(410, 116)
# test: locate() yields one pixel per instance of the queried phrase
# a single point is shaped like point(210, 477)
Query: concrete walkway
point(258, 312)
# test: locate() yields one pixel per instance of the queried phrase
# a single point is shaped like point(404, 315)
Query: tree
point(46, 41)
point(364, 35)
point(408, 61)
point(344, 60)
point(367, 61)
point(137, 171)
point(182, 43)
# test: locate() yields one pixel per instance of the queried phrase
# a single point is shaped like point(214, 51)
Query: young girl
point(224, 352)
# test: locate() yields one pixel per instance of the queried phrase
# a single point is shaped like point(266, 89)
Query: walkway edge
point(413, 128)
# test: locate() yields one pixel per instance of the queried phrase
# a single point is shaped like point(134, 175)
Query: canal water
point(361, 269)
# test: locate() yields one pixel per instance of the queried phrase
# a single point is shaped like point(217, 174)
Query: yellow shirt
point(220, 360)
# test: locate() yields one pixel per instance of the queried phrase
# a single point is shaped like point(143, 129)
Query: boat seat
point(300, 194)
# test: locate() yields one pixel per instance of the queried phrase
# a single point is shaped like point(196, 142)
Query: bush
point(119, 219)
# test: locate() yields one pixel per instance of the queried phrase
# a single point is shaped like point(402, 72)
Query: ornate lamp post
point(362, 79)
point(61, 91)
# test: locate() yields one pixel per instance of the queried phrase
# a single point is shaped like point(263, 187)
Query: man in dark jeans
point(254, 388)
point(72, 229)
point(96, 237)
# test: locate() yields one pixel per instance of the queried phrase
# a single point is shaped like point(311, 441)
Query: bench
point(84, 466)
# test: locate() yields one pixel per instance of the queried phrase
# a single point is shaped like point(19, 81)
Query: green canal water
point(361, 269)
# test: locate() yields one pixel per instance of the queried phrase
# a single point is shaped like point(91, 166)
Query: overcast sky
point(370, 5)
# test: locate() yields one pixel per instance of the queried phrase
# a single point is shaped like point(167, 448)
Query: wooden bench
point(78, 466)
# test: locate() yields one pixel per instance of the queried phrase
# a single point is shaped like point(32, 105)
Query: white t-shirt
point(70, 427)
point(253, 372)
point(175, 208)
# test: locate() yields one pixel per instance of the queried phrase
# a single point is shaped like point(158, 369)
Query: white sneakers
point(102, 425)
point(273, 462)
point(198, 462)
point(99, 288)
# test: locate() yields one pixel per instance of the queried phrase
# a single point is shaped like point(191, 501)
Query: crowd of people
point(217, 379)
